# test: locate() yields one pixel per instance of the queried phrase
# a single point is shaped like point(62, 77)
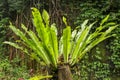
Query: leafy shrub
point(10, 72)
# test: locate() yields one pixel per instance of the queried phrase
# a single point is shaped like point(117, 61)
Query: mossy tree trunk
point(64, 72)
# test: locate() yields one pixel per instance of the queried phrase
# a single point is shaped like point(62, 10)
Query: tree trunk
point(64, 72)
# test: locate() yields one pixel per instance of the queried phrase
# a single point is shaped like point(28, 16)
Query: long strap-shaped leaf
point(17, 47)
point(53, 44)
point(46, 35)
point(31, 43)
point(38, 45)
point(93, 43)
point(66, 43)
point(21, 35)
point(33, 55)
point(40, 27)
point(80, 41)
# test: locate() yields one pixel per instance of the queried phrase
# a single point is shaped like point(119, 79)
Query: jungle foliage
point(103, 63)
point(72, 47)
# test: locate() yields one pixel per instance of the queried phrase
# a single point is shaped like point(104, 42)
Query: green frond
point(72, 45)
point(39, 25)
point(45, 16)
point(66, 43)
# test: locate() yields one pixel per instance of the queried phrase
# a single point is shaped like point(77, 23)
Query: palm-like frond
point(72, 45)
point(86, 41)
point(66, 43)
point(44, 44)
point(80, 40)
point(40, 27)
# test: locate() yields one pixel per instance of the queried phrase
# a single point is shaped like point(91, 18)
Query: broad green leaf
point(17, 46)
point(53, 45)
point(109, 24)
point(54, 41)
point(81, 29)
point(104, 20)
point(45, 16)
point(21, 35)
point(74, 34)
point(109, 30)
point(53, 27)
point(38, 45)
point(66, 43)
point(93, 43)
point(14, 45)
point(31, 43)
point(61, 46)
point(73, 41)
point(81, 41)
point(40, 27)
point(83, 26)
point(18, 32)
